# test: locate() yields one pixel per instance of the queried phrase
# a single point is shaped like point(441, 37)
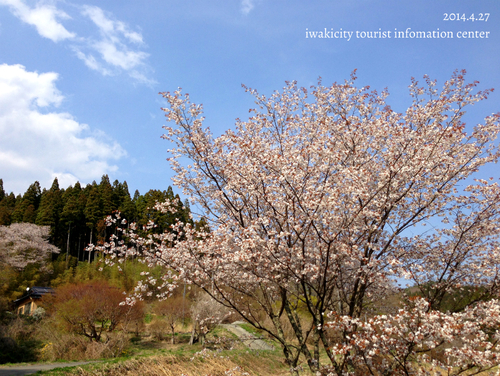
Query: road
point(247, 338)
point(19, 370)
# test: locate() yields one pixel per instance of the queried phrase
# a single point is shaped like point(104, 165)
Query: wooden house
point(27, 304)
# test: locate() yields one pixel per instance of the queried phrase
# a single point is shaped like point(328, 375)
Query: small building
point(27, 304)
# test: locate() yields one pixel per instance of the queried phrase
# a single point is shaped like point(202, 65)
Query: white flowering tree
point(25, 243)
point(206, 314)
point(311, 202)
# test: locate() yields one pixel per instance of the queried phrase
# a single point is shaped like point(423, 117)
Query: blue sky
point(79, 80)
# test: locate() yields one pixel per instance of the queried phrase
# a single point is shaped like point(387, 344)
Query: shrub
point(92, 309)
point(18, 342)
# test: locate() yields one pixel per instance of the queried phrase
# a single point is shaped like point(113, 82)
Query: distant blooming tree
point(25, 243)
point(317, 204)
point(206, 314)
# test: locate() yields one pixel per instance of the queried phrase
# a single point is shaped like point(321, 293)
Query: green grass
point(251, 329)
point(148, 318)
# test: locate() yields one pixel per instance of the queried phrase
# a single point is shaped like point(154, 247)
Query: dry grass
point(211, 364)
point(62, 346)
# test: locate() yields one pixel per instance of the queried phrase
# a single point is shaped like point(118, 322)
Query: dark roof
point(36, 292)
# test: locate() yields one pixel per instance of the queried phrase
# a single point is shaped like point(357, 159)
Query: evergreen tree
point(72, 214)
point(93, 212)
point(7, 206)
point(146, 212)
point(136, 196)
point(2, 192)
point(76, 215)
point(125, 204)
point(82, 226)
point(117, 193)
point(17, 213)
point(27, 206)
point(4, 212)
point(106, 196)
point(50, 209)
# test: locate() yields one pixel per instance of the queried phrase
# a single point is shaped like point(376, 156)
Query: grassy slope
point(176, 362)
point(162, 358)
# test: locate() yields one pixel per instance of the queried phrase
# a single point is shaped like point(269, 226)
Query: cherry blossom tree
point(25, 243)
point(206, 314)
point(318, 203)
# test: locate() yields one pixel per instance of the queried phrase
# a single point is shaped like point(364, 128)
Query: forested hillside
point(76, 214)
point(74, 217)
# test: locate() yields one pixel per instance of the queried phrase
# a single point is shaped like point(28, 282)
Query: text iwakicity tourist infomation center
point(394, 34)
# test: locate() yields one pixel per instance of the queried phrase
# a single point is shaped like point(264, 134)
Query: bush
point(18, 342)
point(63, 346)
point(92, 309)
point(158, 329)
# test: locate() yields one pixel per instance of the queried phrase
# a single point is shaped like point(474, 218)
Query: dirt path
point(18, 370)
point(247, 338)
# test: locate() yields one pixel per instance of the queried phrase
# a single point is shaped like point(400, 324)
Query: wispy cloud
point(112, 49)
point(247, 6)
point(39, 143)
point(111, 29)
point(91, 62)
point(115, 49)
point(45, 17)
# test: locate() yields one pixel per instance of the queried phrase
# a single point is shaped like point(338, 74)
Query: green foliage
point(26, 207)
point(451, 301)
point(13, 282)
point(7, 205)
point(50, 208)
point(107, 204)
point(145, 206)
point(76, 215)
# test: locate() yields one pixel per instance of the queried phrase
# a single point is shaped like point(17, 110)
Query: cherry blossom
point(316, 206)
point(25, 243)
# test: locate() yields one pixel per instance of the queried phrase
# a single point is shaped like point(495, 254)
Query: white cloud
point(111, 29)
point(118, 56)
point(247, 6)
point(91, 62)
point(37, 143)
point(116, 48)
point(45, 17)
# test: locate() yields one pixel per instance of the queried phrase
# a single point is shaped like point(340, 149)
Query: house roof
point(35, 292)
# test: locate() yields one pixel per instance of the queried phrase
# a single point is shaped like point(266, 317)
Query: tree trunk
point(90, 243)
point(193, 338)
point(79, 246)
point(67, 246)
